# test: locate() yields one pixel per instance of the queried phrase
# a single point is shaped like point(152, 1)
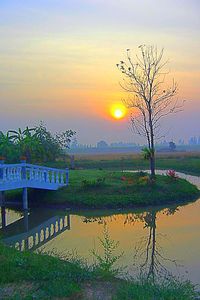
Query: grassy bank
point(104, 189)
point(25, 275)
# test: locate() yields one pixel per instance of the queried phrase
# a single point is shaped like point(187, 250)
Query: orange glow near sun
point(118, 111)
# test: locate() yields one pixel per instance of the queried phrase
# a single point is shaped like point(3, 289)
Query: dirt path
point(99, 290)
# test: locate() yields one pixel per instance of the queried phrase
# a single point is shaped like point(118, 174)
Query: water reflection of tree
point(128, 218)
point(149, 250)
point(150, 222)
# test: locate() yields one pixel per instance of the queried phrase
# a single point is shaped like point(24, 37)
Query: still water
point(157, 240)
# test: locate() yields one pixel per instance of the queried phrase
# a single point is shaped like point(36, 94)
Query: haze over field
point(58, 62)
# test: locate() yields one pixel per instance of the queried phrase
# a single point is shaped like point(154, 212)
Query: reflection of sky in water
point(176, 235)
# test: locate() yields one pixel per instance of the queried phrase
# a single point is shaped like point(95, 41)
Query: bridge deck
point(23, 175)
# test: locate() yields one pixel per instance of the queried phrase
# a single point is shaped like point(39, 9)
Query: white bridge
point(24, 175)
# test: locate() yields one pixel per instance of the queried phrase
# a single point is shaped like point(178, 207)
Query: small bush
point(171, 174)
point(99, 182)
point(171, 289)
point(104, 266)
point(144, 180)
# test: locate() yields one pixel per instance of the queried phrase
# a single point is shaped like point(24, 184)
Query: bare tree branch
point(144, 78)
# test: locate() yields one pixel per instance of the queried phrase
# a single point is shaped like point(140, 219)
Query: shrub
point(172, 174)
point(99, 182)
point(104, 266)
point(144, 180)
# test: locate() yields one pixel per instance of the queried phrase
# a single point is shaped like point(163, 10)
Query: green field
point(188, 162)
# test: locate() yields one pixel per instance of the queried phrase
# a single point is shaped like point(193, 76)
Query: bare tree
point(144, 79)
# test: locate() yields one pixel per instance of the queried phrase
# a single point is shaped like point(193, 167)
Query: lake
point(154, 240)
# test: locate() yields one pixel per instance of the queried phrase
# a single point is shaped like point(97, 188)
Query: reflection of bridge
point(23, 175)
point(35, 237)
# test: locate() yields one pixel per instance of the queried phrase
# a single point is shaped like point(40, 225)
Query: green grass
point(147, 290)
point(26, 276)
point(49, 276)
point(104, 189)
point(179, 161)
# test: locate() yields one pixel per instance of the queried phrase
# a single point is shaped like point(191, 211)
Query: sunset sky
point(58, 62)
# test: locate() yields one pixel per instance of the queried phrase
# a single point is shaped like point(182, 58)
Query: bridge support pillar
point(3, 217)
point(68, 220)
point(26, 219)
point(2, 198)
point(25, 198)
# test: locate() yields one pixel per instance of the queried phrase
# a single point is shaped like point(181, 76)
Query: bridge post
point(25, 198)
point(26, 241)
point(67, 176)
point(25, 213)
point(2, 194)
point(2, 199)
point(25, 189)
point(72, 162)
point(68, 221)
point(3, 217)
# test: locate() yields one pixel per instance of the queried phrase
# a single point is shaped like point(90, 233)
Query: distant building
point(122, 144)
point(172, 146)
point(102, 144)
point(192, 140)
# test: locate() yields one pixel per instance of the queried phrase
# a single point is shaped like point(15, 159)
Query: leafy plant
point(99, 182)
point(144, 180)
point(37, 144)
point(105, 263)
point(172, 174)
point(147, 153)
point(8, 149)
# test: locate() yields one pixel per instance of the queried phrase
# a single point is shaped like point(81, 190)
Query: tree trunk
point(152, 150)
point(152, 164)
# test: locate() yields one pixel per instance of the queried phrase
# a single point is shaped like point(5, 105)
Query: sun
point(118, 111)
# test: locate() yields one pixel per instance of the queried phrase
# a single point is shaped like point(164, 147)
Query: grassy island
point(105, 189)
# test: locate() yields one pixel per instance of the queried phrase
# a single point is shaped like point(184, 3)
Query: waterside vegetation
point(27, 275)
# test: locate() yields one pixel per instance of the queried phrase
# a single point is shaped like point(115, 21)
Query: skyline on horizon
point(58, 63)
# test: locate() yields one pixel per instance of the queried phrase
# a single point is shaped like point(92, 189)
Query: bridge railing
point(32, 173)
